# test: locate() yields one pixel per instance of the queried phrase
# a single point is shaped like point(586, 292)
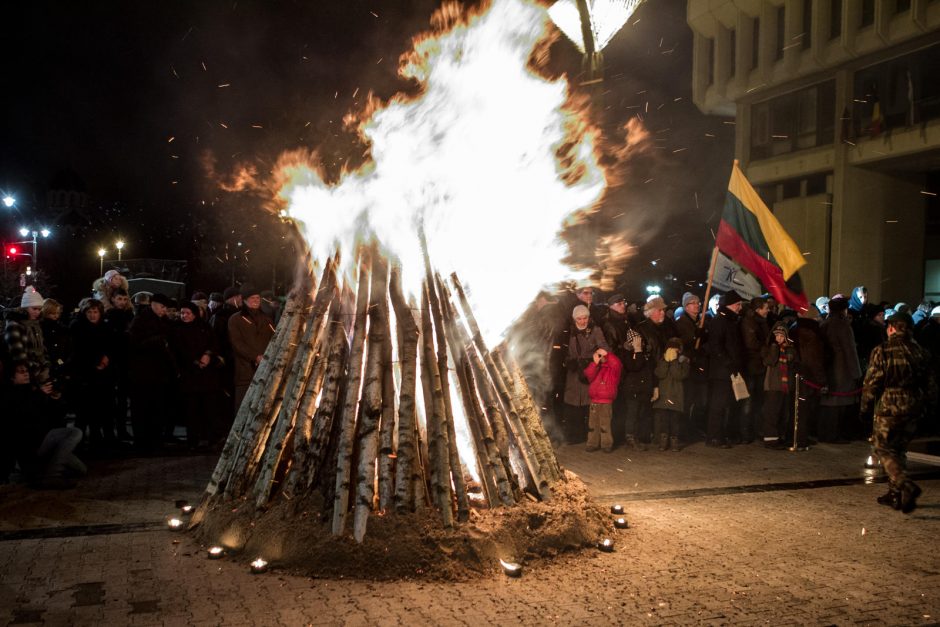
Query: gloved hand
point(671, 354)
point(683, 359)
point(655, 395)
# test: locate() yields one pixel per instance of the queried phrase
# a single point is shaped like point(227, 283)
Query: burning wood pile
point(440, 422)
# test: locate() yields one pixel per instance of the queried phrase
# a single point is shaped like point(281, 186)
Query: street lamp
point(120, 246)
point(590, 25)
point(25, 232)
point(101, 253)
point(9, 201)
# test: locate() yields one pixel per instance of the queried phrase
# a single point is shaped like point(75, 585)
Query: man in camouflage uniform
point(899, 383)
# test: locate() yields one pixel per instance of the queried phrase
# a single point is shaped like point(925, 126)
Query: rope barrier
point(816, 386)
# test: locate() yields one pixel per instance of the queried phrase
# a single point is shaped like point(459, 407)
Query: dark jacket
point(670, 375)
point(58, 343)
point(899, 381)
point(90, 344)
point(773, 377)
point(192, 340)
point(754, 333)
point(151, 362)
point(249, 332)
point(725, 346)
point(616, 327)
point(810, 345)
point(843, 370)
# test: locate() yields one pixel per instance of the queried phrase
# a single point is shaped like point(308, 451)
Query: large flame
point(489, 158)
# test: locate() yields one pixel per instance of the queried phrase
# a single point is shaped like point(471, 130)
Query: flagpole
point(708, 289)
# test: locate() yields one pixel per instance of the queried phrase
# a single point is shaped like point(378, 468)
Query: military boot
point(891, 498)
point(908, 498)
point(663, 441)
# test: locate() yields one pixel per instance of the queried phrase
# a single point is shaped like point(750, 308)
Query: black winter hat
point(161, 299)
point(731, 298)
point(193, 307)
point(230, 292)
point(616, 298)
point(250, 290)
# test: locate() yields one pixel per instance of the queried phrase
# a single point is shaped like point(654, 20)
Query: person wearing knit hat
point(726, 357)
point(584, 339)
point(822, 304)
point(23, 336)
point(843, 371)
point(653, 303)
point(248, 290)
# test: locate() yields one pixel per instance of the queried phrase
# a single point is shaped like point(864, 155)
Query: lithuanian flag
point(751, 235)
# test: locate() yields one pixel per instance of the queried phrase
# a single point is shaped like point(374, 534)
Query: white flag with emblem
point(730, 276)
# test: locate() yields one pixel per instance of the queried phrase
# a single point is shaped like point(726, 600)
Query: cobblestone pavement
point(746, 536)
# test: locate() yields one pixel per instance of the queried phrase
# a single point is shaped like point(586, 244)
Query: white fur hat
point(580, 311)
point(31, 298)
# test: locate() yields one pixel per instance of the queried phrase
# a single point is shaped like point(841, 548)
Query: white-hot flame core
point(607, 18)
point(473, 159)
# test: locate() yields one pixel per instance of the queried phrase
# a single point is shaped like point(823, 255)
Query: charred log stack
point(333, 408)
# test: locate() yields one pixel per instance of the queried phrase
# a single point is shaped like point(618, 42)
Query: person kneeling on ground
point(39, 442)
point(603, 375)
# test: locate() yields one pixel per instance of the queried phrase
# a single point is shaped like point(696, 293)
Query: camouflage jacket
point(899, 381)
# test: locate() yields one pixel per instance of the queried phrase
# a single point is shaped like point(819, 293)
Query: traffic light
point(14, 251)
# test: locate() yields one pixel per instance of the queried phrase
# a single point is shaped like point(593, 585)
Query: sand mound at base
point(296, 536)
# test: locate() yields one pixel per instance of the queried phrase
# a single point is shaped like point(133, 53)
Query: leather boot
point(663, 441)
point(674, 444)
point(891, 498)
point(634, 444)
point(907, 501)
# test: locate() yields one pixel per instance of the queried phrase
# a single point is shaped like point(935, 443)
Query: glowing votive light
point(187, 509)
point(620, 523)
point(215, 552)
point(259, 566)
point(511, 568)
point(606, 545)
point(175, 524)
point(616, 509)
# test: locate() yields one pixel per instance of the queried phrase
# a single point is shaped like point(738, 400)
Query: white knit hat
point(935, 312)
point(31, 298)
point(580, 311)
point(109, 274)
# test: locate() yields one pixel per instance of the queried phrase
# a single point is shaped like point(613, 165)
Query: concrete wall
point(806, 219)
point(878, 234)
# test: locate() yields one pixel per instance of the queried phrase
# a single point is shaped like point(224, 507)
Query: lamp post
point(120, 246)
point(31, 232)
point(101, 253)
point(9, 201)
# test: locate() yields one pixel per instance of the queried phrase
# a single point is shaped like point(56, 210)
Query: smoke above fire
point(491, 159)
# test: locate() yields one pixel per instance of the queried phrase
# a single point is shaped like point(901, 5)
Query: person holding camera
point(603, 376)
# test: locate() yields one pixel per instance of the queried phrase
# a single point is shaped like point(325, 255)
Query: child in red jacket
point(603, 376)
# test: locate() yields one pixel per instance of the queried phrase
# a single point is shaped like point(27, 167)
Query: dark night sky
point(99, 88)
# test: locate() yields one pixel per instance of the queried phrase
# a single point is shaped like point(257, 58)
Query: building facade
point(837, 117)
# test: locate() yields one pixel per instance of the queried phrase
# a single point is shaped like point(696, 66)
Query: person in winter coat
point(693, 338)
point(118, 320)
point(249, 332)
point(672, 370)
point(726, 357)
point(23, 337)
point(35, 435)
point(199, 365)
point(810, 345)
point(585, 339)
point(152, 372)
point(779, 357)
point(231, 305)
point(92, 349)
point(103, 289)
point(603, 375)
point(755, 332)
point(844, 376)
point(899, 385)
point(616, 327)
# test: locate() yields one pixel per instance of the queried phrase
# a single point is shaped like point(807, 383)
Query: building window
point(733, 49)
point(755, 44)
point(835, 19)
point(781, 32)
point(807, 36)
point(795, 121)
point(868, 13)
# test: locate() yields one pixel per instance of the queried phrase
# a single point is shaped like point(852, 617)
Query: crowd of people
point(128, 370)
point(649, 374)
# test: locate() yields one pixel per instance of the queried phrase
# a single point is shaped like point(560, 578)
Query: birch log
point(376, 363)
point(351, 402)
point(387, 430)
point(526, 451)
point(533, 420)
point(406, 468)
point(438, 454)
point(293, 390)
